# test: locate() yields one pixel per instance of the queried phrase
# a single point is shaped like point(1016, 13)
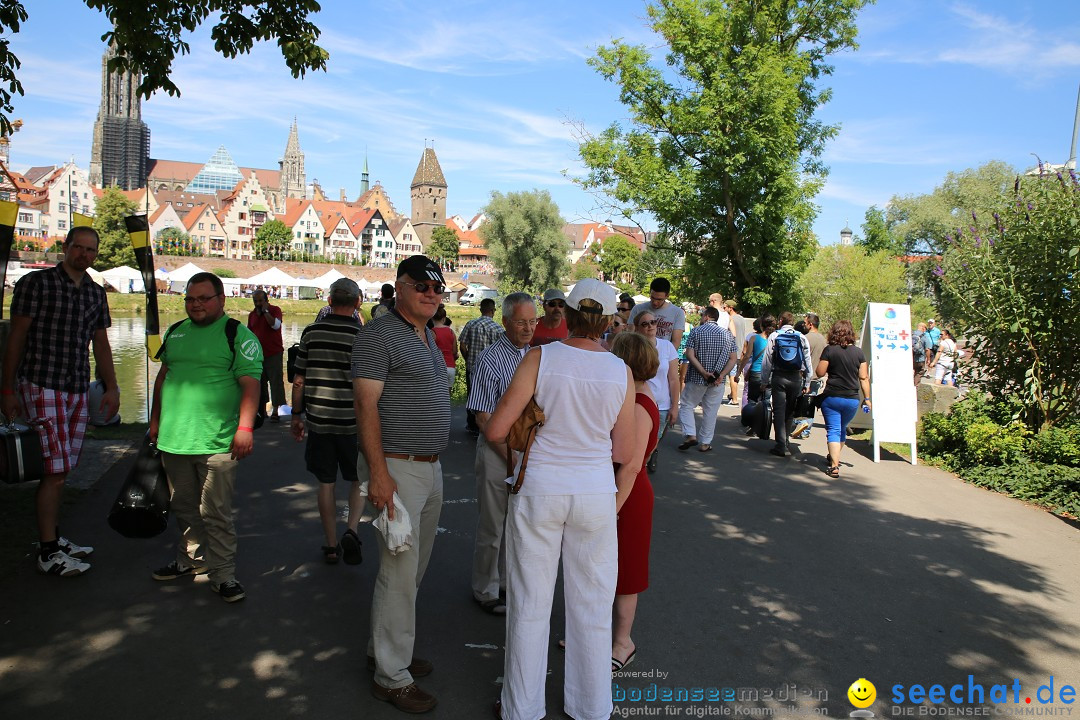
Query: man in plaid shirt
point(711, 351)
point(56, 314)
point(477, 334)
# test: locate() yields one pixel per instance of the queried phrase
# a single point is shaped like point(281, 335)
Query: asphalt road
point(773, 589)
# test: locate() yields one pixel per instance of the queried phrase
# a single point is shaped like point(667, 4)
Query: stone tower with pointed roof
point(120, 149)
point(428, 196)
point(293, 179)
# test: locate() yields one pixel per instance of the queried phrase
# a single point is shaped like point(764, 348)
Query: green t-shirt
point(200, 400)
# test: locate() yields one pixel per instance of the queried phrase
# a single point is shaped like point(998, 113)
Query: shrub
point(224, 272)
point(944, 435)
point(1056, 487)
point(989, 443)
point(1057, 445)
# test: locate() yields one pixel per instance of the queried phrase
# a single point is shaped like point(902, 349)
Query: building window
point(61, 224)
point(202, 226)
point(61, 193)
point(63, 207)
point(25, 217)
point(213, 227)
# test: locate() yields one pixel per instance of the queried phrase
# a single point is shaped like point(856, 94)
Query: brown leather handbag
point(521, 436)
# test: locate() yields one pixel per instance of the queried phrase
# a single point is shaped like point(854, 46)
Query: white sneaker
point(62, 564)
point(73, 550)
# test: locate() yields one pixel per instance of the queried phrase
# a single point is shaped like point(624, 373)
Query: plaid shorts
point(60, 418)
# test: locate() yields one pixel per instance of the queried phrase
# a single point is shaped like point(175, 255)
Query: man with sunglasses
point(403, 420)
point(552, 327)
point(205, 398)
point(670, 318)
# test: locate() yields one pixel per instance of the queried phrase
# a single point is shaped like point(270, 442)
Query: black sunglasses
point(422, 288)
point(556, 303)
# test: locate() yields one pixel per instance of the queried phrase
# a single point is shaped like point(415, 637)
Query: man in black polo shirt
point(403, 419)
point(56, 314)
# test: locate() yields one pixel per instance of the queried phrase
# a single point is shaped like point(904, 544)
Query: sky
point(502, 89)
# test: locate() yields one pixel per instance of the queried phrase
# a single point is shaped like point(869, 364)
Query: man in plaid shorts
point(56, 315)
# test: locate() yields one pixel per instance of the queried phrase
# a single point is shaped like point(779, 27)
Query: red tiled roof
point(193, 217)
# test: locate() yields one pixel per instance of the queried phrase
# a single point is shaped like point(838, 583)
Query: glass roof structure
point(219, 173)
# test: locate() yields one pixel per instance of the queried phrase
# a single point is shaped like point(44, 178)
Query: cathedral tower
point(121, 144)
point(428, 196)
point(293, 180)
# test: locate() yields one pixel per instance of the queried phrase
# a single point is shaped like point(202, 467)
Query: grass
point(901, 449)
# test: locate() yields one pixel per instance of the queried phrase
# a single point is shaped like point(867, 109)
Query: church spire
point(293, 179)
point(364, 176)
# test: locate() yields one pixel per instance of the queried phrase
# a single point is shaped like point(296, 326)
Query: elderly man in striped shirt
point(494, 370)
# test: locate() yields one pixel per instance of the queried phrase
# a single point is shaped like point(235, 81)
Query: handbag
point(21, 459)
point(141, 509)
point(520, 437)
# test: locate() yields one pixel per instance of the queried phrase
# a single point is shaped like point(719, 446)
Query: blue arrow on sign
point(879, 345)
point(892, 346)
point(903, 347)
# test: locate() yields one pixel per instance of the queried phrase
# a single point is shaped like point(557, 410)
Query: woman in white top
point(945, 360)
point(567, 501)
point(665, 384)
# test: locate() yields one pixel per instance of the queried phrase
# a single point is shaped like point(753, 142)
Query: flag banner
point(80, 220)
point(9, 213)
point(139, 232)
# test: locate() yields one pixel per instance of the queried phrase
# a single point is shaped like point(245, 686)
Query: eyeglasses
point(617, 324)
point(661, 298)
point(624, 308)
point(522, 324)
point(646, 323)
point(192, 300)
point(556, 303)
point(422, 288)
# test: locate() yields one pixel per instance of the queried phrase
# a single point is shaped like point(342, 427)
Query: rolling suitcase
point(20, 453)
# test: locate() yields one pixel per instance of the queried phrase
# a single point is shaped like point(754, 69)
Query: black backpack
point(230, 335)
point(918, 347)
point(788, 352)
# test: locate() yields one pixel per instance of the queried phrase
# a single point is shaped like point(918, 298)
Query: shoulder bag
point(521, 436)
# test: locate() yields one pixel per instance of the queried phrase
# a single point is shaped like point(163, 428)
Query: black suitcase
point(141, 509)
point(20, 453)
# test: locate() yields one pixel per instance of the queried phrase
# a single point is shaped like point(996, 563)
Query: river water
point(135, 374)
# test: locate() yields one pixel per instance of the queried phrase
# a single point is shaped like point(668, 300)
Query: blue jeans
point(838, 412)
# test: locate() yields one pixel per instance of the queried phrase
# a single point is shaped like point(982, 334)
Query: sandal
point(688, 443)
point(833, 471)
point(705, 448)
point(330, 554)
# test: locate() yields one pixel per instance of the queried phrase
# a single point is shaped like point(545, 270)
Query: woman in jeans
point(847, 370)
point(566, 507)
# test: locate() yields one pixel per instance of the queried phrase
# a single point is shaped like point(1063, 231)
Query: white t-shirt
point(581, 393)
point(659, 382)
point(668, 318)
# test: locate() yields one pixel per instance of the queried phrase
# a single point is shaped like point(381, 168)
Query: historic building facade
point(120, 149)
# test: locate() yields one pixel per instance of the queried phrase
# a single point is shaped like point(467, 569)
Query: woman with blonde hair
point(634, 495)
point(566, 507)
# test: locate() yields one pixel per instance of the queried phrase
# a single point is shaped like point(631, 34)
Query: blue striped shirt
point(494, 371)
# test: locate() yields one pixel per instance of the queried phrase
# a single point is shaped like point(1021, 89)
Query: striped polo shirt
point(494, 371)
point(414, 408)
point(325, 361)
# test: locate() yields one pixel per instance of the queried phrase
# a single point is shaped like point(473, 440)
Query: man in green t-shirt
point(205, 398)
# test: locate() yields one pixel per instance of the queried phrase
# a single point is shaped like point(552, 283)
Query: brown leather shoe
point(419, 667)
point(410, 699)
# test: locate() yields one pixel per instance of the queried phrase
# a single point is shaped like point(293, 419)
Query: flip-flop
point(705, 448)
point(616, 666)
point(688, 443)
point(330, 554)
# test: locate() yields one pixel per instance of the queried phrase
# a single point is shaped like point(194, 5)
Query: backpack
point(918, 347)
point(230, 335)
point(788, 352)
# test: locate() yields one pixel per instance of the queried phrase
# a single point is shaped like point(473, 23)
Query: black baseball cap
point(420, 267)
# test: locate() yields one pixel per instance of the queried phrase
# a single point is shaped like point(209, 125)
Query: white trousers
point(580, 528)
point(709, 396)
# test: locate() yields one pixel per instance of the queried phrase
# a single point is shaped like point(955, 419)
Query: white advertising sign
point(886, 342)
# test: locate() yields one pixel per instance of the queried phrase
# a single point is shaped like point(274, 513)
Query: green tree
point(660, 259)
point(524, 238)
point(224, 272)
point(724, 149)
point(272, 240)
point(618, 258)
point(115, 248)
point(148, 37)
point(877, 234)
point(1010, 281)
point(583, 269)
point(840, 281)
point(444, 245)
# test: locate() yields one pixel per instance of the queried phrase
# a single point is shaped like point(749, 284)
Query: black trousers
point(786, 388)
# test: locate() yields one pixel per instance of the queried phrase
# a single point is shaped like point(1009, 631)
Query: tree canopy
point(618, 258)
point(840, 281)
point(444, 245)
point(115, 246)
point(272, 240)
point(148, 37)
point(723, 148)
point(524, 239)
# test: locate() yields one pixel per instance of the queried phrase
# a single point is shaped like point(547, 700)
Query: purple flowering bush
point(1011, 284)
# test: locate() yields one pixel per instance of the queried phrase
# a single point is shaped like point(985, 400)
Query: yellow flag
point(80, 220)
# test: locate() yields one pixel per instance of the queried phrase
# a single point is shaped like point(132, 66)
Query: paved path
point(765, 574)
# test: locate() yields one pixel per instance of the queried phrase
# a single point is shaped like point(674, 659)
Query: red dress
point(635, 518)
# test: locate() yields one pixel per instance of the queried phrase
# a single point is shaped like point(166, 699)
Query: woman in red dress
point(634, 496)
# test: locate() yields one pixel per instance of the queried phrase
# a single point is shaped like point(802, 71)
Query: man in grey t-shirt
point(403, 416)
point(737, 327)
point(670, 319)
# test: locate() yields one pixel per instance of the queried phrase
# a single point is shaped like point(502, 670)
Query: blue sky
point(935, 86)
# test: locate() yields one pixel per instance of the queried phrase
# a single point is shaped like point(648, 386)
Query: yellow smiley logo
point(862, 693)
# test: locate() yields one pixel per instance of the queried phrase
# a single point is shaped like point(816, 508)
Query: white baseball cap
point(593, 289)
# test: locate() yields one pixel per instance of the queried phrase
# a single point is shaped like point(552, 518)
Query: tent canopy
point(273, 276)
point(325, 280)
point(183, 274)
point(124, 278)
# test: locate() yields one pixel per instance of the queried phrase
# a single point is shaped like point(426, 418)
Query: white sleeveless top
point(581, 393)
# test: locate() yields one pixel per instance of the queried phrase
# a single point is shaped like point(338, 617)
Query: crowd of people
point(610, 376)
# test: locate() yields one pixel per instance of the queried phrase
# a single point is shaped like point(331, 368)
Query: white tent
point(96, 276)
point(161, 274)
point(640, 299)
point(124, 279)
point(271, 277)
point(326, 279)
point(183, 274)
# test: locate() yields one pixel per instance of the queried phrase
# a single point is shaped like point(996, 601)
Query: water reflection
point(135, 374)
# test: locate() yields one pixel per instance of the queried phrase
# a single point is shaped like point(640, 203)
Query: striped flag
point(9, 213)
point(139, 232)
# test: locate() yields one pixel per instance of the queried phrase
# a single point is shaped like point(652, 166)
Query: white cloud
point(891, 141)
